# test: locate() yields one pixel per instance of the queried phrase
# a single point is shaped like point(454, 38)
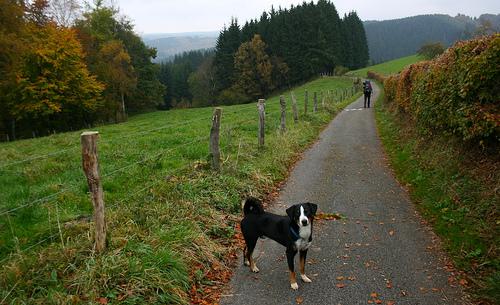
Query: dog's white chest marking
point(303, 242)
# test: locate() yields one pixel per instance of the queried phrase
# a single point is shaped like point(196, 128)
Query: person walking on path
point(367, 90)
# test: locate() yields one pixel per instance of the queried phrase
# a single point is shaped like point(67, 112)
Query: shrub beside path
point(381, 252)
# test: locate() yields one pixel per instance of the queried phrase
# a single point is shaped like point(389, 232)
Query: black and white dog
point(293, 231)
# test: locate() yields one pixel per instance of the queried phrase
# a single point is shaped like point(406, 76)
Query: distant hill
point(387, 40)
point(397, 38)
point(170, 44)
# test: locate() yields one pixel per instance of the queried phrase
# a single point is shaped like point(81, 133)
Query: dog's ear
point(290, 211)
point(313, 207)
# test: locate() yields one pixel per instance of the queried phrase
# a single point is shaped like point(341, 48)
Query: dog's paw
point(246, 262)
point(255, 269)
point(305, 279)
point(294, 286)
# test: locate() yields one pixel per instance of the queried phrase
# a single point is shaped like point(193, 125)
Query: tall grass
point(170, 218)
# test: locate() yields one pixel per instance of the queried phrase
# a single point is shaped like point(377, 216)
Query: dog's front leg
point(302, 267)
point(290, 255)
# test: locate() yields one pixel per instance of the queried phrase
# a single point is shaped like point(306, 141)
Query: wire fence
point(237, 126)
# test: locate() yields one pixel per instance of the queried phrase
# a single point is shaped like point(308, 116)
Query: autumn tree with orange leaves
point(53, 82)
point(114, 65)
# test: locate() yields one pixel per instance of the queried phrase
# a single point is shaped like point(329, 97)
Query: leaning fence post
point(283, 113)
point(315, 106)
point(262, 119)
point(306, 100)
point(90, 164)
point(214, 138)
point(294, 108)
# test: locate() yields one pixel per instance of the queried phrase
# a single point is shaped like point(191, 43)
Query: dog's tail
point(252, 206)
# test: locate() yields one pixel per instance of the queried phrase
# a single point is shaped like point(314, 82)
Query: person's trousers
point(367, 99)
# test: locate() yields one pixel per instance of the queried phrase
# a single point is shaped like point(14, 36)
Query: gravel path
point(381, 252)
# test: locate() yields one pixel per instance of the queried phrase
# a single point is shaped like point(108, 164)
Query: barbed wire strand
point(10, 291)
point(38, 157)
point(43, 199)
point(30, 247)
point(199, 139)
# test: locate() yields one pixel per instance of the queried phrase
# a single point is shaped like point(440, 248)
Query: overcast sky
point(172, 16)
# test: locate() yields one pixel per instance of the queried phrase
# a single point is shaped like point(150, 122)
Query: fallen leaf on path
point(391, 302)
point(435, 289)
point(403, 293)
point(340, 278)
point(391, 232)
point(102, 301)
point(388, 285)
point(451, 280)
point(340, 285)
point(328, 216)
point(463, 282)
point(299, 300)
point(377, 301)
point(351, 278)
point(374, 294)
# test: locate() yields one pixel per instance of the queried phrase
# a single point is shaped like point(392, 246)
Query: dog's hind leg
point(290, 255)
point(302, 267)
point(249, 261)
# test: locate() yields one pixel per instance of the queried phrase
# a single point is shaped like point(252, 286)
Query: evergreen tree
point(227, 44)
point(175, 75)
point(309, 39)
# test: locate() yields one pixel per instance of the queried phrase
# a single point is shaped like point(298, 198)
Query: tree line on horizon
point(62, 73)
point(280, 49)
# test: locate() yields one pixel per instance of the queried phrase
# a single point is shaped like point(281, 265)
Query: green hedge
point(458, 93)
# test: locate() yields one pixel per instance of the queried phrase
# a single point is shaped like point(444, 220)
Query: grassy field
point(386, 68)
point(170, 218)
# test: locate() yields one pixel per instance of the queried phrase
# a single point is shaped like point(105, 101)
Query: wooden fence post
point(294, 109)
point(90, 164)
point(322, 100)
point(306, 100)
point(283, 113)
point(214, 139)
point(315, 106)
point(262, 121)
